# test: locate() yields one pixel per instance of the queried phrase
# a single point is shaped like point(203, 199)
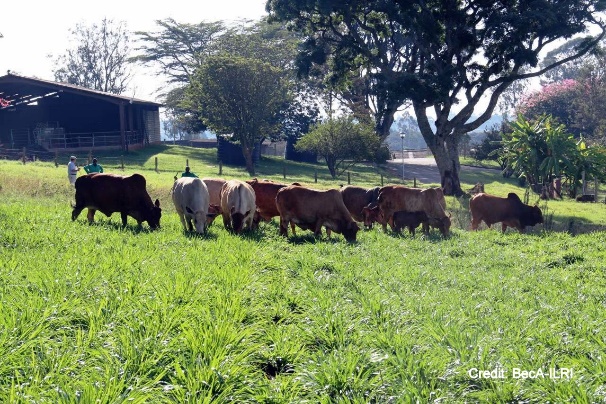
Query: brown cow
point(214, 192)
point(311, 209)
point(109, 193)
point(412, 220)
point(509, 211)
point(372, 215)
point(357, 198)
point(237, 205)
point(394, 198)
point(265, 193)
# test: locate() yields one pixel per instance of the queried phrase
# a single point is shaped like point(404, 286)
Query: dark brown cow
point(265, 193)
point(394, 198)
point(412, 220)
point(357, 198)
point(109, 193)
point(372, 215)
point(509, 211)
point(311, 209)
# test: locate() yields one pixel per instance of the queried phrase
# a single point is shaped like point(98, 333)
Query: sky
point(34, 29)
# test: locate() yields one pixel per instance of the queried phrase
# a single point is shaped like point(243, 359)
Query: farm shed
point(37, 113)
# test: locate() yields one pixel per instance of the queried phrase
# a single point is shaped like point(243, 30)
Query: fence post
point(414, 184)
point(186, 162)
point(122, 161)
point(284, 171)
point(596, 184)
point(348, 178)
point(24, 155)
point(220, 168)
point(381, 179)
point(316, 176)
point(156, 163)
point(56, 157)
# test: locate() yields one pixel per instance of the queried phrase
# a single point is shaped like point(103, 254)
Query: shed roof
point(16, 89)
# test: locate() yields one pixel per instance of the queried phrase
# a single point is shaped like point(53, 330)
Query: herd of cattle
point(243, 204)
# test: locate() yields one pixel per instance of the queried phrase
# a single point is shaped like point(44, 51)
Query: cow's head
point(372, 215)
point(237, 220)
point(350, 231)
point(154, 215)
point(199, 219)
point(532, 216)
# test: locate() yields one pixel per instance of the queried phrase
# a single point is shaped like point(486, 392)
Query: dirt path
point(423, 169)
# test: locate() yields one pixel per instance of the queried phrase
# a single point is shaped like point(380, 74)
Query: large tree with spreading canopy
point(449, 58)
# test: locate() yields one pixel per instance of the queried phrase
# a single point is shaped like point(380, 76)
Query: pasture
point(104, 314)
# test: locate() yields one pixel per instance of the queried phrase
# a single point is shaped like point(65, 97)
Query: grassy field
point(104, 314)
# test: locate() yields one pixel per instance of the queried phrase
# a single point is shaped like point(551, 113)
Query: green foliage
point(342, 142)
point(487, 149)
point(99, 58)
point(427, 53)
point(238, 96)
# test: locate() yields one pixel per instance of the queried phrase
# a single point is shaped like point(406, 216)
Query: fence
point(53, 141)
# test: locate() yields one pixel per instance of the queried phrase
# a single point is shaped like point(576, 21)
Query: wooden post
point(56, 162)
point(414, 183)
point(316, 176)
point(24, 151)
point(122, 162)
point(348, 178)
point(187, 163)
point(220, 168)
point(156, 163)
point(284, 171)
point(382, 179)
point(596, 184)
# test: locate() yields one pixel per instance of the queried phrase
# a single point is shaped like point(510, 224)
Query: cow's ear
point(157, 203)
point(188, 210)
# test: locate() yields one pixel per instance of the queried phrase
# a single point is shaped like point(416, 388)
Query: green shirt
point(93, 168)
point(188, 174)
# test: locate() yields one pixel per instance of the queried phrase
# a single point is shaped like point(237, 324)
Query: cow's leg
point(425, 227)
point(124, 217)
point(190, 225)
point(182, 218)
point(411, 230)
point(328, 232)
point(91, 215)
point(503, 226)
point(318, 229)
point(284, 226)
point(475, 222)
point(226, 221)
point(292, 228)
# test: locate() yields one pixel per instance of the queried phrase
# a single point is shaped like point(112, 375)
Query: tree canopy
point(238, 96)
point(443, 56)
point(99, 60)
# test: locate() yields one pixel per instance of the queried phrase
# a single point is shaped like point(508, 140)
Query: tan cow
point(394, 198)
point(509, 211)
point(310, 209)
point(237, 205)
point(214, 192)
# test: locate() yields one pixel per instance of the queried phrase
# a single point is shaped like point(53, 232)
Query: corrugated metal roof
point(32, 81)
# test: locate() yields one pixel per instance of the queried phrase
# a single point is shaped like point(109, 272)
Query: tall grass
point(101, 313)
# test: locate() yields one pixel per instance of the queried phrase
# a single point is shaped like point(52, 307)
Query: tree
point(440, 55)
point(238, 96)
point(342, 142)
point(99, 59)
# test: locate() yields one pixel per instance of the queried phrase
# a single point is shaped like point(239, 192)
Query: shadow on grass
point(208, 235)
point(117, 226)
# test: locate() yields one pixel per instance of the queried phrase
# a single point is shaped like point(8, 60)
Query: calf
point(412, 220)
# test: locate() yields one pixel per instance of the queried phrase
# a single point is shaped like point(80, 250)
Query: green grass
point(101, 313)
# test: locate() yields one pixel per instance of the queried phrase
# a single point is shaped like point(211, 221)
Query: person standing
point(72, 170)
point(188, 173)
point(93, 168)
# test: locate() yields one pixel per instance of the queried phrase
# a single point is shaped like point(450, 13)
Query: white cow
point(191, 200)
point(238, 204)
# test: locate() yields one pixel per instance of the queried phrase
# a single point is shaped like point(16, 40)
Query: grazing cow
point(214, 186)
point(109, 193)
point(237, 205)
point(412, 220)
point(311, 209)
point(357, 198)
point(372, 215)
point(396, 198)
point(509, 211)
point(191, 200)
point(265, 194)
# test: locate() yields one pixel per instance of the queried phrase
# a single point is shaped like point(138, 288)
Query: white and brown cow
point(237, 205)
point(310, 209)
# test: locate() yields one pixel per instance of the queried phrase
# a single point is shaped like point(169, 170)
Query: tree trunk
point(446, 154)
point(331, 164)
point(248, 157)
